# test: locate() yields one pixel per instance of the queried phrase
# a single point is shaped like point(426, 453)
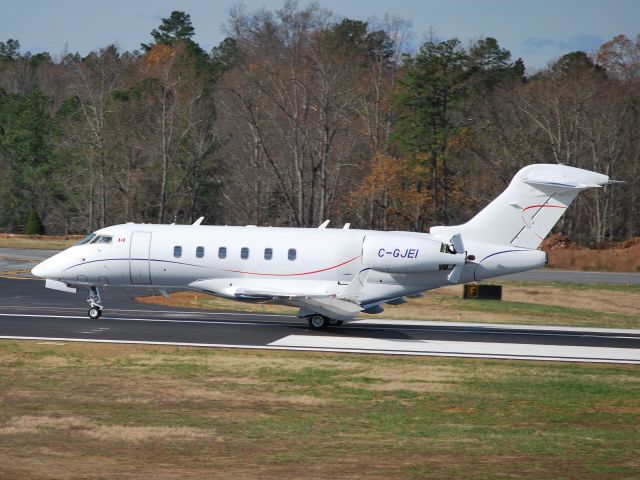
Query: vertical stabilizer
point(524, 214)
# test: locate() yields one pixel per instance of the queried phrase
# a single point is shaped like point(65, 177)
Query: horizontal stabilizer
point(560, 185)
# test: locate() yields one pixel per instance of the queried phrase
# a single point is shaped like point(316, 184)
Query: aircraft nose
point(44, 269)
point(40, 270)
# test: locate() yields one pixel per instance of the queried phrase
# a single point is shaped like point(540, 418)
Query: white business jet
point(331, 275)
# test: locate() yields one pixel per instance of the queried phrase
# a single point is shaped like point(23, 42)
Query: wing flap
point(331, 307)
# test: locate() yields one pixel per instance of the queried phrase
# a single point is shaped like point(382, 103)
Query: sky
point(538, 31)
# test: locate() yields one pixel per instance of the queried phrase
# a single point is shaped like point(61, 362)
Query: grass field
point(90, 411)
point(584, 305)
point(38, 241)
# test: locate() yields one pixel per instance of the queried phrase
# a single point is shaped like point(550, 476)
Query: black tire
point(335, 323)
point(94, 313)
point(318, 322)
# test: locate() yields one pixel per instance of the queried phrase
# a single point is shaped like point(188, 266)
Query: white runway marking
point(501, 326)
point(475, 349)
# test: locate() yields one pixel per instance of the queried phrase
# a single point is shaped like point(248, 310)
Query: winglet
point(198, 221)
point(324, 224)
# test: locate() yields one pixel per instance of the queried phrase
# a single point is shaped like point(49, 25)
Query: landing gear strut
point(95, 309)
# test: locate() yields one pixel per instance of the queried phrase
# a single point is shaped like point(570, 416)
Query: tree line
point(299, 116)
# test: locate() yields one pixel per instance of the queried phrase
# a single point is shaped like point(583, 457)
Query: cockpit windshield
point(103, 239)
point(86, 239)
point(93, 238)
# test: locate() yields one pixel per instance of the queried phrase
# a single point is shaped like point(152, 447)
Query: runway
point(29, 311)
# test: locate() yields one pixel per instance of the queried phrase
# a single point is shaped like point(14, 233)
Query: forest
point(300, 116)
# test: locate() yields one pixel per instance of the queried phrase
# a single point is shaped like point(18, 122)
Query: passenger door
point(139, 258)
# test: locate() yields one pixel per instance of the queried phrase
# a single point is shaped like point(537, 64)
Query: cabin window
point(104, 239)
point(268, 253)
point(292, 254)
point(177, 251)
point(222, 252)
point(199, 252)
point(244, 253)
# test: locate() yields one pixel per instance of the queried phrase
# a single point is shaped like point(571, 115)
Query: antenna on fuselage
point(198, 221)
point(324, 224)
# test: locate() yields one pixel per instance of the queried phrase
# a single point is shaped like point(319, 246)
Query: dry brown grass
point(608, 260)
point(45, 242)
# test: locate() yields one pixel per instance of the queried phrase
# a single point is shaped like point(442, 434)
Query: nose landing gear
point(95, 309)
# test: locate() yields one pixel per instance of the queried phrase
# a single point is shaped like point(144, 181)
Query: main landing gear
point(320, 322)
point(95, 309)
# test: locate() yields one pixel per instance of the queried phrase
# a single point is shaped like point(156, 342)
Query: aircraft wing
point(309, 302)
point(273, 289)
point(276, 293)
point(309, 296)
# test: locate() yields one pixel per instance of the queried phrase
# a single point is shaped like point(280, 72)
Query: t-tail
point(524, 214)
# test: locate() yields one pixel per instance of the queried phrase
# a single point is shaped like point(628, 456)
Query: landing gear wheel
point(335, 323)
point(318, 322)
point(95, 309)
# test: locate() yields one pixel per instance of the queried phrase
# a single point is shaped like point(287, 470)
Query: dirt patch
point(612, 257)
point(32, 424)
point(119, 433)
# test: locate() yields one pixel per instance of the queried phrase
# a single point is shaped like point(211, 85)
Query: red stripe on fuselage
point(293, 274)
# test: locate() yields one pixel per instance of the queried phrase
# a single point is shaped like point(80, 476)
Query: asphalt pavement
point(29, 311)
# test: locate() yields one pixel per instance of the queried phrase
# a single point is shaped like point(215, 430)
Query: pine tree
point(34, 224)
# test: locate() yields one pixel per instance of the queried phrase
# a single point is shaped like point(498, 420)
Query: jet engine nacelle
point(408, 254)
